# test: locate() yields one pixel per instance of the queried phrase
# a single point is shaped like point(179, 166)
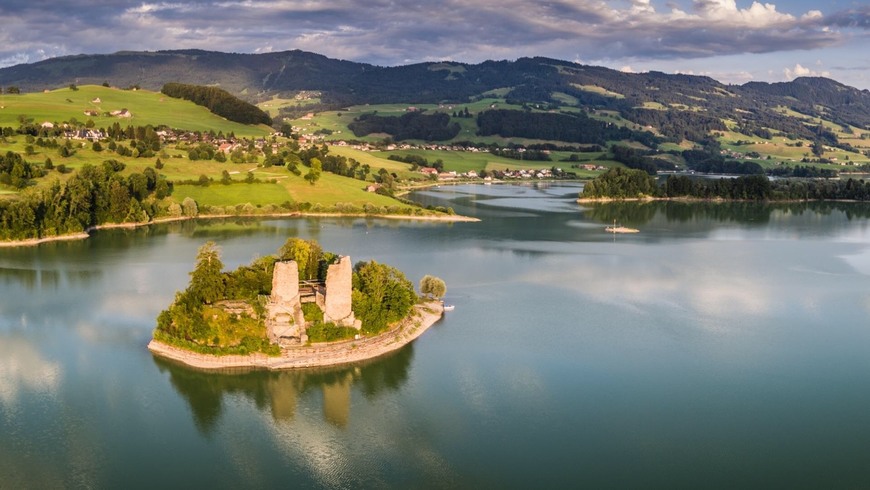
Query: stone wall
point(339, 285)
point(285, 281)
point(284, 318)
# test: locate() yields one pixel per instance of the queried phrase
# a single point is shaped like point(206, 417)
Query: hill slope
point(755, 107)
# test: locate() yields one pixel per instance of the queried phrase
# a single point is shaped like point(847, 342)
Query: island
point(303, 307)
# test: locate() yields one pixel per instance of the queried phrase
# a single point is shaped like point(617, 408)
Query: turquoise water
point(722, 346)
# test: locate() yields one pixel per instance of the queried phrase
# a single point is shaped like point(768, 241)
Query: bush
point(329, 332)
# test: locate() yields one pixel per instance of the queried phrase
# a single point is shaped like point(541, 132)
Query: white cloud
point(800, 71)
point(23, 368)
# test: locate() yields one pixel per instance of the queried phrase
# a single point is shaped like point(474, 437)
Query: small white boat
point(449, 307)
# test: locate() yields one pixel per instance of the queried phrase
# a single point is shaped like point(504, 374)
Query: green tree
point(189, 207)
point(306, 253)
point(433, 287)
point(206, 281)
point(382, 295)
point(314, 172)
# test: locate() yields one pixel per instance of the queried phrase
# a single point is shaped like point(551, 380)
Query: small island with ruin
point(303, 307)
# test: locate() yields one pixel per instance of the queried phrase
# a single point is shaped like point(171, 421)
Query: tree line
point(409, 126)
point(218, 101)
point(569, 127)
point(94, 195)
point(620, 183)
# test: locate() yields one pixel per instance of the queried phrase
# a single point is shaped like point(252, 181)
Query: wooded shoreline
point(296, 214)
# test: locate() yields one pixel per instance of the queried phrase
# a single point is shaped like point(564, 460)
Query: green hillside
point(146, 108)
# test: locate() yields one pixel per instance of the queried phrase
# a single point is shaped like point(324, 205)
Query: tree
point(206, 282)
point(189, 207)
point(433, 287)
point(306, 253)
point(313, 174)
point(381, 295)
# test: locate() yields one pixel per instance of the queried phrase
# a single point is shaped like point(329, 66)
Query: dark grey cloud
point(852, 18)
point(401, 31)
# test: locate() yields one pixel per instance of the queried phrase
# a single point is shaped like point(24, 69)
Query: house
point(373, 187)
point(47, 125)
point(428, 171)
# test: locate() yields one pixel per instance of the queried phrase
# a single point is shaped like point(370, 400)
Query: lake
point(725, 345)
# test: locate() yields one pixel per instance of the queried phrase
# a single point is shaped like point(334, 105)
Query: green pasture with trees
point(144, 106)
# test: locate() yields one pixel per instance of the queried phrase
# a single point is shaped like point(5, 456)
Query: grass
point(459, 161)
point(376, 161)
point(231, 329)
point(337, 121)
point(274, 105)
point(227, 195)
point(147, 108)
point(599, 90)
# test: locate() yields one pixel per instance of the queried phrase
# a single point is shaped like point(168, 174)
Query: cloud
point(402, 31)
point(22, 368)
point(853, 18)
point(800, 71)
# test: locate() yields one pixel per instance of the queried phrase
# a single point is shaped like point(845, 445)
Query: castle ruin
point(285, 322)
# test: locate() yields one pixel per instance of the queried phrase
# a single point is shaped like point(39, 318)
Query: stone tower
point(339, 284)
point(284, 319)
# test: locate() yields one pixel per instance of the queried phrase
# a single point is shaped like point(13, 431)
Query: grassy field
point(226, 195)
point(376, 160)
point(146, 107)
point(599, 90)
point(329, 190)
point(276, 103)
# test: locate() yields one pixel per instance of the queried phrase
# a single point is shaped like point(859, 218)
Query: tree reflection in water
point(279, 391)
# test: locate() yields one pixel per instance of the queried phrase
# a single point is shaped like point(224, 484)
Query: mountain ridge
point(537, 81)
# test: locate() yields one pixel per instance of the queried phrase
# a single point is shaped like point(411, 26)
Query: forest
point(409, 126)
point(573, 127)
point(218, 101)
point(94, 195)
point(619, 183)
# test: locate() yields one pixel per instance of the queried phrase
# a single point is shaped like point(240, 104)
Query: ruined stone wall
point(284, 311)
point(285, 281)
point(339, 284)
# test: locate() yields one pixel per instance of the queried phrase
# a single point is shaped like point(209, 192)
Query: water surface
point(722, 346)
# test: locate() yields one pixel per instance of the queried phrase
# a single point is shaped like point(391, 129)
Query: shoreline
point(296, 214)
point(423, 316)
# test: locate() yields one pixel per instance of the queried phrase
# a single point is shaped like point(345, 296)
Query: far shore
point(316, 355)
point(296, 214)
point(596, 200)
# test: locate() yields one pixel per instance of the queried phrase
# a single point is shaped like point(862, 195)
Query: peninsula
point(301, 308)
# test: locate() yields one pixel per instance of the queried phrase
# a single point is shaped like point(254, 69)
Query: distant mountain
point(756, 107)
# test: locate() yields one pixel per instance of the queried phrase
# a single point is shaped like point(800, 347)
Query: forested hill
point(526, 80)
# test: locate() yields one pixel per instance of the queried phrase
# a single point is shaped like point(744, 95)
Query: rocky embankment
point(422, 317)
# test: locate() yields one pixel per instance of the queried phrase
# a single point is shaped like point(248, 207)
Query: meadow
point(146, 107)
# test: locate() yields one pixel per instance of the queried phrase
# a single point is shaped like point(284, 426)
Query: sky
point(731, 41)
